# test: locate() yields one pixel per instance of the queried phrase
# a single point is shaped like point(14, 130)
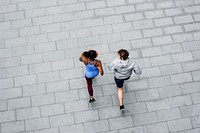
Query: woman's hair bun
point(92, 54)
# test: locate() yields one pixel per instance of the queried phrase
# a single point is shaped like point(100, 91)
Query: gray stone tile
point(62, 64)
point(157, 41)
point(39, 123)
point(109, 112)
point(196, 98)
point(182, 38)
point(156, 128)
point(61, 120)
point(152, 32)
point(9, 62)
point(31, 59)
point(157, 105)
point(5, 53)
point(3, 105)
point(79, 128)
point(43, 99)
point(6, 83)
point(190, 87)
point(191, 66)
point(165, 4)
point(40, 74)
point(66, 96)
point(97, 126)
point(195, 121)
point(109, 89)
point(17, 126)
point(171, 69)
point(158, 61)
point(71, 74)
point(169, 91)
point(54, 109)
point(57, 86)
point(191, 46)
point(132, 129)
point(7, 34)
point(180, 101)
point(190, 131)
point(159, 82)
point(2, 73)
point(137, 85)
point(172, 29)
point(28, 113)
point(76, 106)
point(146, 95)
point(7, 116)
point(121, 122)
point(181, 78)
point(182, 57)
point(154, 14)
point(196, 76)
point(189, 111)
point(50, 130)
point(153, 51)
point(10, 93)
point(18, 103)
point(145, 118)
point(32, 90)
point(113, 131)
point(178, 125)
point(135, 108)
point(17, 71)
point(86, 116)
point(101, 102)
point(168, 114)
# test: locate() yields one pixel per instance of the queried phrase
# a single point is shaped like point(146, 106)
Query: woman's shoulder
point(97, 62)
point(133, 62)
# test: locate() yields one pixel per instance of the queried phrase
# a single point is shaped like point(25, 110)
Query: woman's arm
point(113, 65)
point(99, 66)
point(137, 70)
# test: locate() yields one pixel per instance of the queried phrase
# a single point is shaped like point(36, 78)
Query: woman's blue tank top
point(91, 70)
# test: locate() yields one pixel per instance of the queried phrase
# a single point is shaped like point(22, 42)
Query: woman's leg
point(120, 96)
point(89, 85)
point(119, 83)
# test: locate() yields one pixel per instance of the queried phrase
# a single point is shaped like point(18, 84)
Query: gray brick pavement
point(42, 85)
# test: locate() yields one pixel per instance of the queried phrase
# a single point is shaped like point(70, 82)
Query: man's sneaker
point(92, 100)
point(122, 107)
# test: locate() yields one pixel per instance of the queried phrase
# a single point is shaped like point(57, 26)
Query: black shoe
point(122, 107)
point(92, 100)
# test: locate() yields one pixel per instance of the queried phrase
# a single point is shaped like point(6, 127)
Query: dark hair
point(123, 54)
point(92, 54)
point(86, 54)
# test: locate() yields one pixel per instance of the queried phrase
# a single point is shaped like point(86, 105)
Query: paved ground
point(42, 87)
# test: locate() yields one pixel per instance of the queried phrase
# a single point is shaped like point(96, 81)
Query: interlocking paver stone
point(17, 126)
point(61, 120)
point(42, 84)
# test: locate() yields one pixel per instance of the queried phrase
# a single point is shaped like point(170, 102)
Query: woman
point(93, 68)
point(123, 68)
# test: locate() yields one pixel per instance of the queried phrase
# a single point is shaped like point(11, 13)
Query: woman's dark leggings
point(89, 85)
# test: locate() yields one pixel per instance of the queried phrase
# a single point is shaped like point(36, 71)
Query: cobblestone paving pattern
point(42, 85)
